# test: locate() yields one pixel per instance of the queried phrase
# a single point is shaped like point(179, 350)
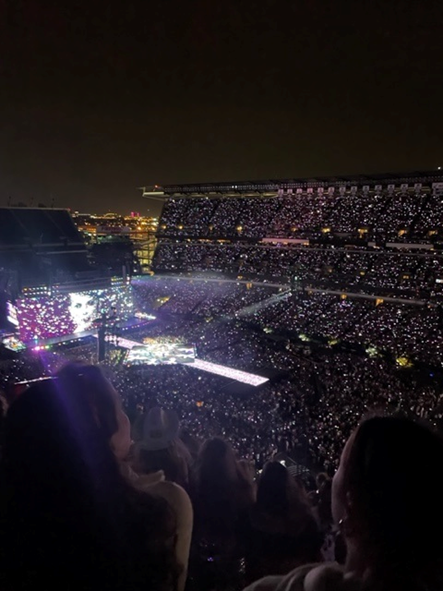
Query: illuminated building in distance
point(114, 228)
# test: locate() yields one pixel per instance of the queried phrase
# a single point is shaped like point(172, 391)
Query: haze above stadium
point(96, 100)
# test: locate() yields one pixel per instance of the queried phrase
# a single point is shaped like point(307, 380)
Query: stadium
point(277, 314)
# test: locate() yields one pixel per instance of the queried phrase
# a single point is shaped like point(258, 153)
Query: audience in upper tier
point(381, 214)
point(346, 241)
point(400, 273)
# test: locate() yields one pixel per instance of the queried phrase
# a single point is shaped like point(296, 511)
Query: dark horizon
point(99, 100)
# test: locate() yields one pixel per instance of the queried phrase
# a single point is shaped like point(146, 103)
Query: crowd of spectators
point(307, 410)
point(404, 330)
point(199, 298)
point(401, 274)
point(391, 215)
point(171, 478)
point(253, 515)
point(214, 470)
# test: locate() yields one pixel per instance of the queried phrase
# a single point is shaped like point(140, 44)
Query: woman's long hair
point(272, 490)
point(395, 514)
point(282, 507)
point(67, 516)
point(222, 489)
point(89, 383)
point(283, 532)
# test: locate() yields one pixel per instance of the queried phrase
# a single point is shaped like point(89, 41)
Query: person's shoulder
point(310, 577)
point(265, 584)
point(176, 496)
point(146, 481)
point(293, 581)
point(170, 489)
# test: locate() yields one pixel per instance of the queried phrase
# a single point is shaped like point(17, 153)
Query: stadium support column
point(292, 277)
point(101, 347)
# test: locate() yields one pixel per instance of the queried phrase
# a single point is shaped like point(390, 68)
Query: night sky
point(97, 98)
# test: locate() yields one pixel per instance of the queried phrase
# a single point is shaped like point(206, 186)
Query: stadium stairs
point(248, 310)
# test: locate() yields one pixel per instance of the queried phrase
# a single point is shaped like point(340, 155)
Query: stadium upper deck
point(380, 234)
point(426, 180)
point(381, 208)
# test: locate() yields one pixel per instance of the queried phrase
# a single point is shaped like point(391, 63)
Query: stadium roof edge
point(25, 207)
point(265, 185)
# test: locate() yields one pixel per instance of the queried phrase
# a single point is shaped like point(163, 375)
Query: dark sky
point(99, 97)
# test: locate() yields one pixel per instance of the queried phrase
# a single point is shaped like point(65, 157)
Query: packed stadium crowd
point(405, 274)
point(413, 330)
point(169, 477)
point(392, 214)
point(190, 483)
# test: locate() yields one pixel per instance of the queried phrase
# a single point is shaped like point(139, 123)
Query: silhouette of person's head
point(388, 516)
point(68, 518)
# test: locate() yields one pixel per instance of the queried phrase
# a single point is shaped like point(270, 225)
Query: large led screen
point(73, 313)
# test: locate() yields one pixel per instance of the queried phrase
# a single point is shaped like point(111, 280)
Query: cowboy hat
point(160, 427)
